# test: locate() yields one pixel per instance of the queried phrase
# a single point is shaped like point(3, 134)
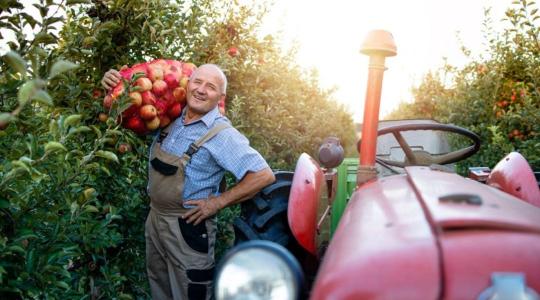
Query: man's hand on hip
point(203, 209)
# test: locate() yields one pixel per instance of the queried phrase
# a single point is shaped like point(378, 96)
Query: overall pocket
point(196, 236)
point(163, 167)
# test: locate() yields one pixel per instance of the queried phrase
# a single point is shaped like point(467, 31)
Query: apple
point(117, 90)
point(155, 72)
point(136, 98)
point(184, 81)
point(168, 97)
point(153, 124)
point(144, 83)
point(179, 94)
point(164, 120)
point(123, 148)
point(102, 117)
point(108, 101)
point(175, 110)
point(159, 87)
point(136, 124)
point(130, 111)
point(139, 68)
point(188, 68)
point(148, 98)
point(148, 112)
point(161, 107)
point(233, 51)
point(171, 80)
point(96, 93)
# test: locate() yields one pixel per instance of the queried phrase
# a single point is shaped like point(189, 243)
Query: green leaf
point(4, 203)
point(107, 154)
point(79, 130)
point(43, 97)
point(44, 37)
point(61, 66)
point(26, 91)
point(72, 120)
point(54, 146)
point(16, 248)
point(72, 2)
point(90, 209)
point(16, 62)
point(62, 284)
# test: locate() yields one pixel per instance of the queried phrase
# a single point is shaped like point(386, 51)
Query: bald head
point(218, 71)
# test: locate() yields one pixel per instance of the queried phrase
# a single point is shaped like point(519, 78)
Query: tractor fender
point(514, 176)
point(303, 202)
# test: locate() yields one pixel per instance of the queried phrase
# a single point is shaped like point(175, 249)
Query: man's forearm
point(250, 185)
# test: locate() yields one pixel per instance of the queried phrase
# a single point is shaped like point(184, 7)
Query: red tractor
point(411, 228)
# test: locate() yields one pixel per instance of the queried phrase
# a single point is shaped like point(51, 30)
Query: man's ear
point(222, 98)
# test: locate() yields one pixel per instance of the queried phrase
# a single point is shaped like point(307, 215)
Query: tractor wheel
point(265, 216)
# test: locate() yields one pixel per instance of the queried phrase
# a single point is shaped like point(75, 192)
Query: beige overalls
point(179, 256)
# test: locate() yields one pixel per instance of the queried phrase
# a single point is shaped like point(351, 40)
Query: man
point(187, 163)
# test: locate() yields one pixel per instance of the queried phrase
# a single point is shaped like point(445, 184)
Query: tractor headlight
point(258, 270)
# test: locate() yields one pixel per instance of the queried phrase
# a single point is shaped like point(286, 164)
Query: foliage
point(496, 95)
point(72, 204)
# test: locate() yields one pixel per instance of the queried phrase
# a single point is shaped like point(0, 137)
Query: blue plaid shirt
point(229, 151)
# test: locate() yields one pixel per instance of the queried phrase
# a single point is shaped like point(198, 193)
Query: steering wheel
point(424, 158)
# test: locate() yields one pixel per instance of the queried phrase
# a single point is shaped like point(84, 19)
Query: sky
point(329, 35)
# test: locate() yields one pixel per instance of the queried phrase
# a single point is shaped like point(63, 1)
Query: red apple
point(188, 68)
point(130, 111)
point(159, 87)
point(148, 98)
point(136, 98)
point(108, 101)
point(164, 120)
point(233, 51)
point(179, 94)
point(161, 107)
point(123, 148)
point(96, 93)
point(117, 90)
point(136, 124)
point(148, 112)
point(144, 83)
point(153, 124)
point(175, 110)
point(171, 80)
point(155, 72)
point(139, 68)
point(168, 97)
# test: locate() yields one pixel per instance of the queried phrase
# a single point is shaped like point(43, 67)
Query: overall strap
point(163, 133)
point(194, 147)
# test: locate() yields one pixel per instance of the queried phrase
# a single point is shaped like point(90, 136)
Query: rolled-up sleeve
point(236, 155)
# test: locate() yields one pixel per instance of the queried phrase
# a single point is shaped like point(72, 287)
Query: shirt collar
point(208, 119)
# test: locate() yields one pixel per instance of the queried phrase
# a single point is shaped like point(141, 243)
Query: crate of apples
point(159, 97)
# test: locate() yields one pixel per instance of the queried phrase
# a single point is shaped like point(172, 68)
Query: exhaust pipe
point(378, 45)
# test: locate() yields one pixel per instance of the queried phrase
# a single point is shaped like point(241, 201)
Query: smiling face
point(204, 90)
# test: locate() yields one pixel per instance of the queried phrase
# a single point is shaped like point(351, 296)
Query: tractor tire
point(264, 217)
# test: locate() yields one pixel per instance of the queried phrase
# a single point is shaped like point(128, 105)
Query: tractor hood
point(428, 234)
point(457, 202)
